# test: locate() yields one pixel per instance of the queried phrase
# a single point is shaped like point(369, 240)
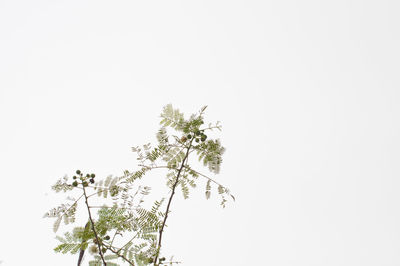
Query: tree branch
point(119, 255)
point(94, 230)
point(169, 202)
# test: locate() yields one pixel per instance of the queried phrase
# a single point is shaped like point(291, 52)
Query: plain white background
point(307, 93)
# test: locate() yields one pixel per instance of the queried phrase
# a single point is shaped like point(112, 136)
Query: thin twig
point(66, 211)
point(119, 255)
point(94, 230)
point(203, 175)
point(169, 202)
point(128, 241)
point(190, 169)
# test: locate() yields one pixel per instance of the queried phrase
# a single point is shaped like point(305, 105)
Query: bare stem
point(94, 230)
point(119, 255)
point(169, 202)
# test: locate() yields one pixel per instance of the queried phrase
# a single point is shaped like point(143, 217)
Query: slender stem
point(207, 128)
point(169, 202)
point(203, 175)
point(119, 255)
point(94, 230)
point(128, 241)
point(190, 169)
point(66, 211)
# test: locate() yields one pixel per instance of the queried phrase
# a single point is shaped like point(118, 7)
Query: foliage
point(123, 230)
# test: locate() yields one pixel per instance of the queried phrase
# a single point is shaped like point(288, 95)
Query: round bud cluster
point(84, 179)
point(91, 180)
point(198, 136)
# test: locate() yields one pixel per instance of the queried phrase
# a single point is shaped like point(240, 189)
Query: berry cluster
point(161, 260)
point(198, 136)
point(84, 179)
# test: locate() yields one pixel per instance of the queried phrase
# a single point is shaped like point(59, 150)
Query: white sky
point(307, 92)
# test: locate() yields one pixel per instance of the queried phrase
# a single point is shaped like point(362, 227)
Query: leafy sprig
point(121, 229)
